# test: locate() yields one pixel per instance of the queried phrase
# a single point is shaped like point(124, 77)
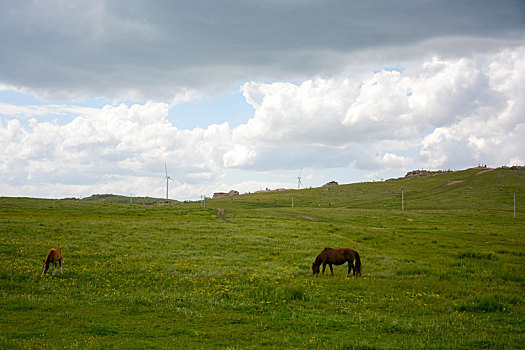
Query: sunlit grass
point(164, 277)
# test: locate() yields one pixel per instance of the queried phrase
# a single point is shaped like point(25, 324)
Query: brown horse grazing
point(52, 257)
point(338, 257)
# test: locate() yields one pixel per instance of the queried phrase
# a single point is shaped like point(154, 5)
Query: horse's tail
point(357, 263)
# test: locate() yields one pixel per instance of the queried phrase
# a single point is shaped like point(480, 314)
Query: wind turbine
point(299, 183)
point(167, 179)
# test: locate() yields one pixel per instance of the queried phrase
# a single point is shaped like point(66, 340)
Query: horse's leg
point(60, 262)
point(349, 268)
point(54, 267)
point(324, 267)
point(331, 269)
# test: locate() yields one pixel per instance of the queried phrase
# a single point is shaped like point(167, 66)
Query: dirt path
point(454, 182)
point(308, 217)
point(220, 214)
point(483, 172)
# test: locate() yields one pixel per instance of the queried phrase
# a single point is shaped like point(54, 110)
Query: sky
point(102, 96)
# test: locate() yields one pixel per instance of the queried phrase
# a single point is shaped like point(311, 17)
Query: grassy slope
point(117, 199)
point(445, 273)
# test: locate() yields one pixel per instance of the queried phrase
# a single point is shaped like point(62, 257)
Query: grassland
point(447, 272)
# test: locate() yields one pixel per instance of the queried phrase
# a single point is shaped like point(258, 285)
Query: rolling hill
point(445, 272)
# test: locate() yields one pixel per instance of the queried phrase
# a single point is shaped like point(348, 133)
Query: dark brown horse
point(338, 257)
point(52, 257)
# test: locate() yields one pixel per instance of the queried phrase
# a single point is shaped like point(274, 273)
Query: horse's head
point(315, 269)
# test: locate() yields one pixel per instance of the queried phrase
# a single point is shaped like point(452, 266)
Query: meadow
point(444, 273)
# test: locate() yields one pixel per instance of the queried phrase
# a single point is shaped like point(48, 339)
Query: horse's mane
point(48, 257)
point(318, 260)
point(320, 257)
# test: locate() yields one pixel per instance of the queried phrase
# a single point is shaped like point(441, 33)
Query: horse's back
point(54, 254)
point(337, 255)
point(348, 253)
point(342, 255)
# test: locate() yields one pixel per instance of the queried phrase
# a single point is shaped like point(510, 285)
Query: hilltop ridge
point(114, 198)
point(470, 188)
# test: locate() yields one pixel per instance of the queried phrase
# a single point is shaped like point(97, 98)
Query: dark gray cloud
point(144, 49)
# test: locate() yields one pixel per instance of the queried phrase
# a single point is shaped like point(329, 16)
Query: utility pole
point(402, 198)
point(514, 205)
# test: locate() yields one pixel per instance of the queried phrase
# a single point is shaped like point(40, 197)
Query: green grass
point(445, 273)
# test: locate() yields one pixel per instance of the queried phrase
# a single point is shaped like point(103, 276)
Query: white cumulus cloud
point(438, 113)
point(454, 111)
